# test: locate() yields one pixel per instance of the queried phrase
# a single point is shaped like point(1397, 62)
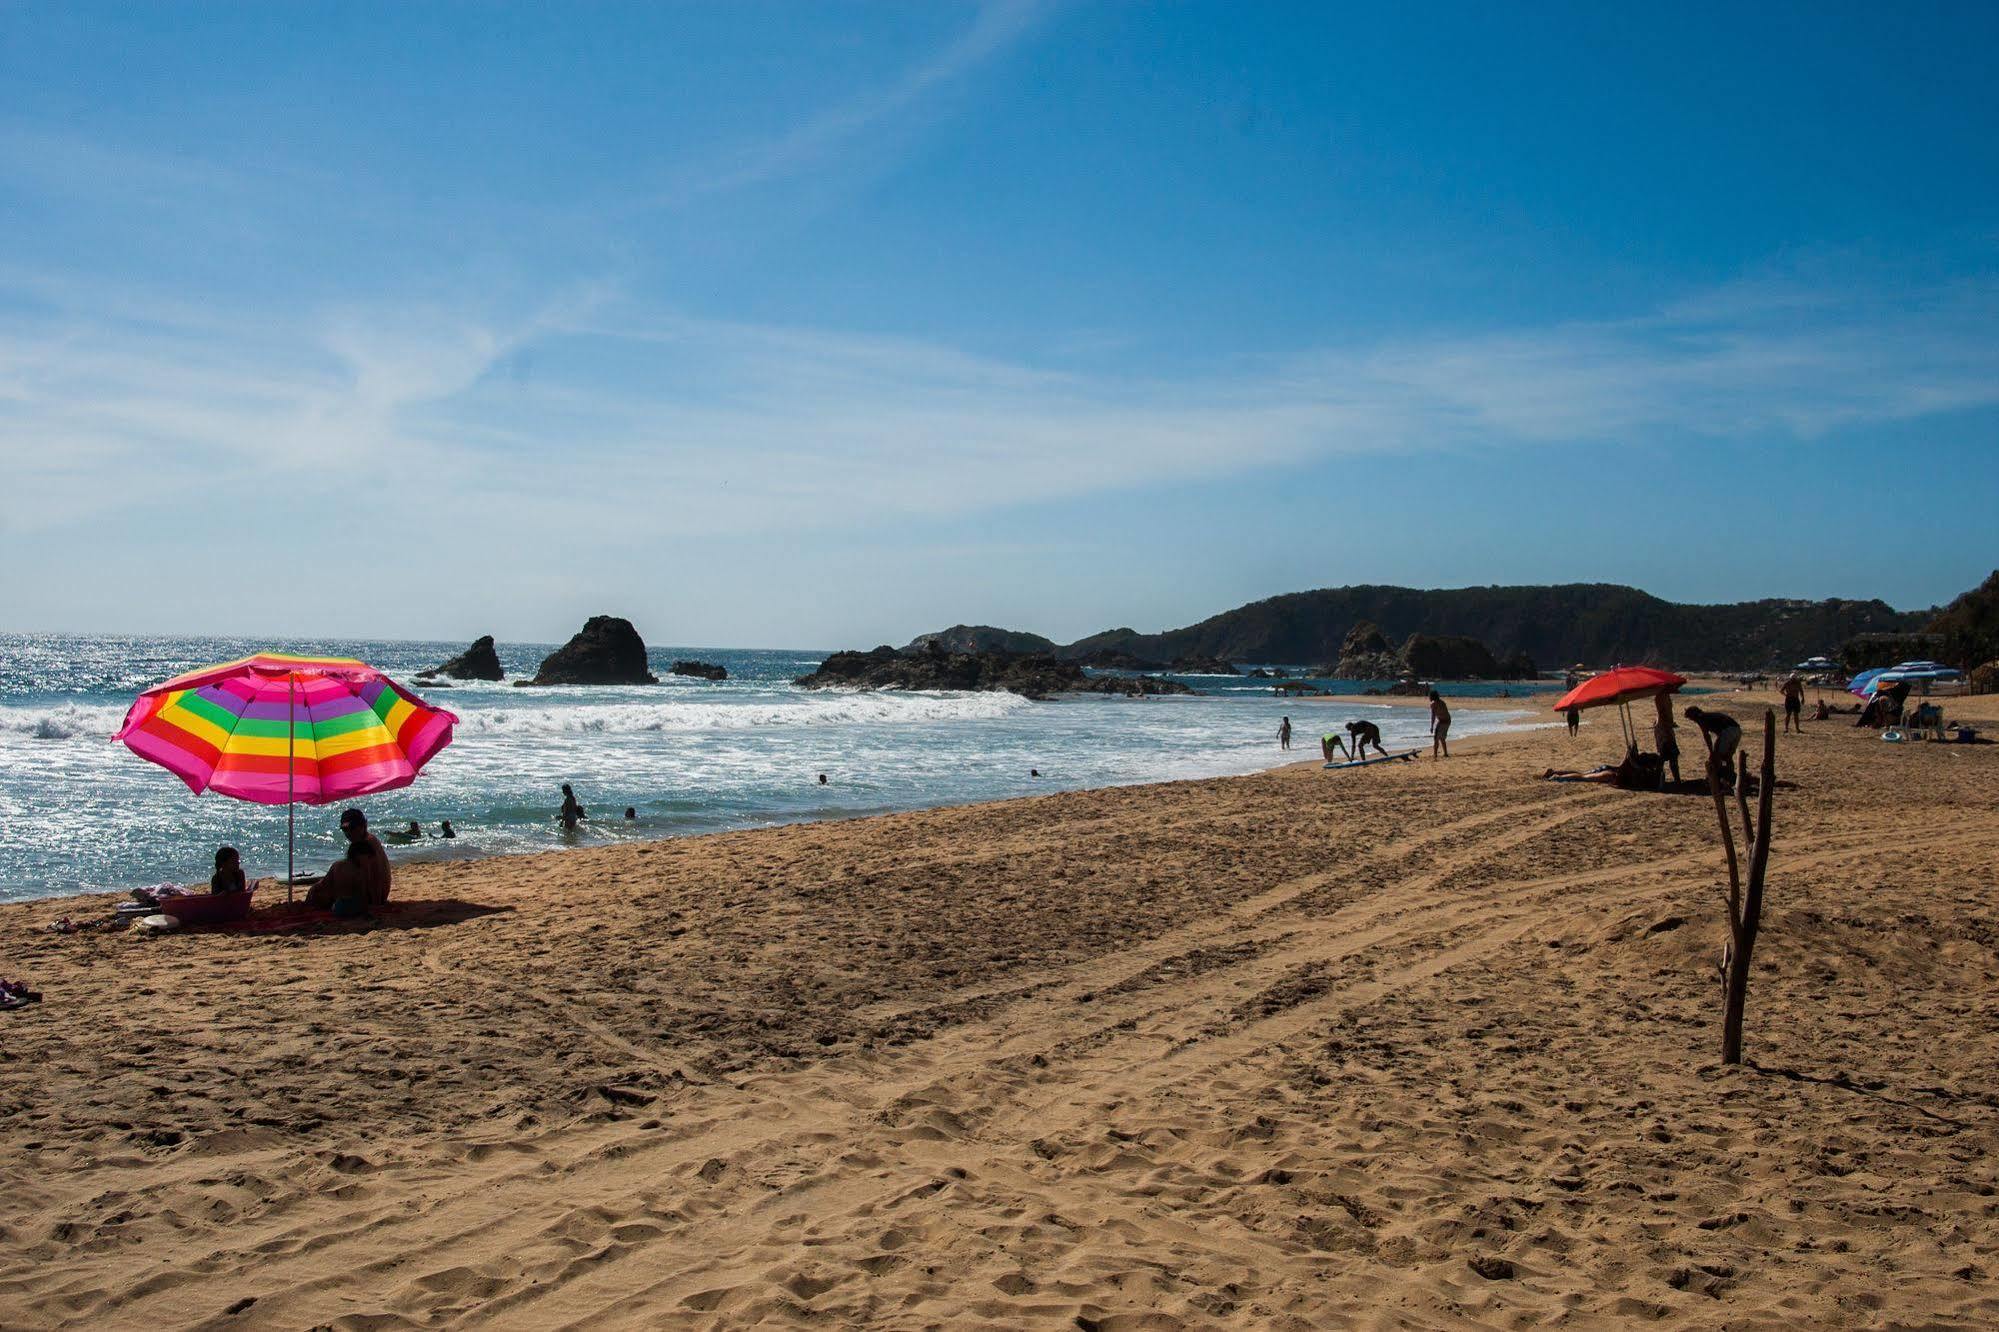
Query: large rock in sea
point(1202, 666)
point(608, 651)
point(981, 638)
point(1365, 655)
point(699, 670)
point(1449, 657)
point(1032, 674)
point(478, 662)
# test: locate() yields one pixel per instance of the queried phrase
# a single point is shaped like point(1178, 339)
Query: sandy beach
point(1427, 1044)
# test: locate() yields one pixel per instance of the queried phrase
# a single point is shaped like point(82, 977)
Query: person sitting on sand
point(1820, 711)
point(1440, 725)
point(572, 809)
point(1665, 735)
point(1793, 691)
point(1284, 734)
point(359, 881)
point(228, 876)
point(1722, 733)
point(1362, 734)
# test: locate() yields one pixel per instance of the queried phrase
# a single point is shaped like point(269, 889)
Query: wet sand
point(1418, 1045)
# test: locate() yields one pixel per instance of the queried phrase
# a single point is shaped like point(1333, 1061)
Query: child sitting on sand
point(228, 876)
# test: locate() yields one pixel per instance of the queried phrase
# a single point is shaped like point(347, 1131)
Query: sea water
point(80, 813)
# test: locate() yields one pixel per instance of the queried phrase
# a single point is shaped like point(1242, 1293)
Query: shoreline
point(433, 850)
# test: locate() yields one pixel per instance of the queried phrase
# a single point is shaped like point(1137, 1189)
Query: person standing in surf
point(1284, 734)
point(1440, 726)
point(572, 809)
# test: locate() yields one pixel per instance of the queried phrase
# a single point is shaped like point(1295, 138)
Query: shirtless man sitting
point(360, 877)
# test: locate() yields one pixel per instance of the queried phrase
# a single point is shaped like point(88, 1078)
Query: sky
point(790, 324)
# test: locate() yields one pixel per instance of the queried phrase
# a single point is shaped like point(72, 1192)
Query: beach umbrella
point(276, 730)
point(1863, 684)
point(1619, 688)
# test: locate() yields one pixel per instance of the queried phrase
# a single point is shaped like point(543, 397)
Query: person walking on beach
point(1575, 721)
point(1793, 690)
point(1440, 725)
point(1284, 734)
point(572, 809)
point(1362, 734)
point(1665, 736)
point(1722, 733)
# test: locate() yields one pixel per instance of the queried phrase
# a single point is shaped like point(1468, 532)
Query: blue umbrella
point(1863, 683)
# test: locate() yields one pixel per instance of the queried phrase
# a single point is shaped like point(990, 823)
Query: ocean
point(81, 813)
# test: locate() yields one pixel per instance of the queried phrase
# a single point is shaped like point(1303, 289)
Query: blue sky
point(814, 324)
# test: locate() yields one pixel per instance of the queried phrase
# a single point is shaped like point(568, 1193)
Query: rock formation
point(700, 670)
point(1033, 674)
point(1365, 655)
point(1202, 666)
point(608, 651)
point(478, 662)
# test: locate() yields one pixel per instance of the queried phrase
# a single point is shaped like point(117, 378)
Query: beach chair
point(1924, 722)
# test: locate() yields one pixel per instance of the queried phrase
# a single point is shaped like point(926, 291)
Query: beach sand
point(1418, 1045)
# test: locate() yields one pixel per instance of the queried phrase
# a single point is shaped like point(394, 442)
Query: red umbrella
point(1620, 687)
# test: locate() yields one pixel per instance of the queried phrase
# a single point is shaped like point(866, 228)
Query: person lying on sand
point(359, 881)
point(1362, 734)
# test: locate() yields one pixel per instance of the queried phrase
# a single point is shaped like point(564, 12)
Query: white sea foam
point(66, 721)
point(813, 709)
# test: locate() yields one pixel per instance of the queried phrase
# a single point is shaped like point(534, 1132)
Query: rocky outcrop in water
point(478, 662)
point(1202, 666)
point(1110, 659)
point(982, 638)
point(607, 651)
point(1132, 686)
point(1035, 675)
point(699, 670)
point(1031, 674)
point(1365, 655)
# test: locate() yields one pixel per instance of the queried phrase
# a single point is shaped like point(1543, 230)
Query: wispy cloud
point(821, 138)
point(632, 415)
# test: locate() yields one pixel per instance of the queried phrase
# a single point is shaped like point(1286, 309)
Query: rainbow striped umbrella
point(277, 729)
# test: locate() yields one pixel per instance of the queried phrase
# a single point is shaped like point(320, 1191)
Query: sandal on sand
point(16, 994)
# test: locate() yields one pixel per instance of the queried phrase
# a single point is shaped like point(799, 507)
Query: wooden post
point(1745, 899)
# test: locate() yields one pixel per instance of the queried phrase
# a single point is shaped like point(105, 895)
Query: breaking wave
point(821, 709)
point(68, 721)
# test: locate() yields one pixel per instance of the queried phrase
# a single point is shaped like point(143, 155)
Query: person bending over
point(1361, 734)
point(1332, 744)
point(1722, 734)
point(358, 882)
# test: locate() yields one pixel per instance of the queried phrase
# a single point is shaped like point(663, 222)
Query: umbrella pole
point(291, 786)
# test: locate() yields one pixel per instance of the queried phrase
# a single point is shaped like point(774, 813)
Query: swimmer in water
point(822, 779)
point(572, 809)
point(630, 813)
point(444, 829)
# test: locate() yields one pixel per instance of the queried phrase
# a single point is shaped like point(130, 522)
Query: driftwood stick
point(1746, 915)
